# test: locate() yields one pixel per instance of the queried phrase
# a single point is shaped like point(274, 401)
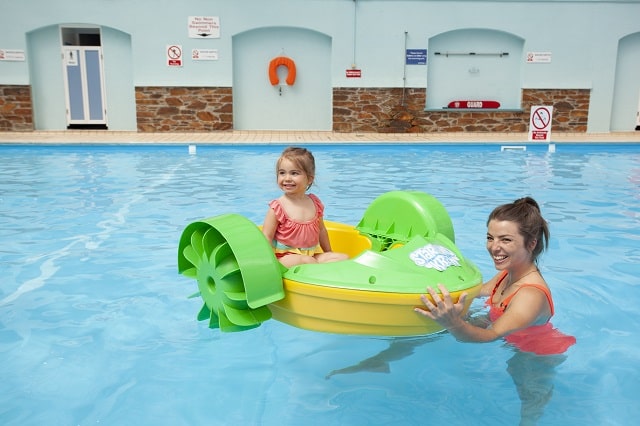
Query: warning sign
point(540, 123)
point(354, 73)
point(538, 57)
point(174, 55)
point(204, 54)
point(12, 55)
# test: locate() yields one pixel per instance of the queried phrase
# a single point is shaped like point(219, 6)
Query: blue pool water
point(96, 326)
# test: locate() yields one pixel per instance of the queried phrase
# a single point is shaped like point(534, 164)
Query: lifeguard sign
point(540, 123)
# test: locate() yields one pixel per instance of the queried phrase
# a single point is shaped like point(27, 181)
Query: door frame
point(75, 40)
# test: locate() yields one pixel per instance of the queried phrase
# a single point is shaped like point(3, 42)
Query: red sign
point(538, 135)
point(474, 104)
point(353, 73)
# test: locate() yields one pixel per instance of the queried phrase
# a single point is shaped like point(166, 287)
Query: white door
point(84, 86)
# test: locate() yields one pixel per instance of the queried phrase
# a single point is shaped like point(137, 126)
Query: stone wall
point(184, 109)
point(396, 111)
point(16, 110)
point(377, 110)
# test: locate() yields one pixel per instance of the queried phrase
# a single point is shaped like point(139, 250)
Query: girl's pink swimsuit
point(292, 237)
point(539, 339)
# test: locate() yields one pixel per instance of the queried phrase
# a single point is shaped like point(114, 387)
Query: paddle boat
point(403, 243)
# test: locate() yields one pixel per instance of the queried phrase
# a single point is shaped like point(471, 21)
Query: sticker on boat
point(434, 257)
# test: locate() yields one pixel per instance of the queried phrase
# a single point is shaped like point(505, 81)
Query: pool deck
point(296, 137)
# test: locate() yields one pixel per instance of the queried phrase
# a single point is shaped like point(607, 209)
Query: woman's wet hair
point(302, 158)
point(526, 213)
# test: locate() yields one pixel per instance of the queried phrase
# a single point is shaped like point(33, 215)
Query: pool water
point(96, 326)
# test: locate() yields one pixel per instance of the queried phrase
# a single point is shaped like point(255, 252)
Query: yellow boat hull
point(345, 311)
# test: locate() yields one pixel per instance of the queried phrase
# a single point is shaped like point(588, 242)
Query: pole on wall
point(404, 72)
point(355, 33)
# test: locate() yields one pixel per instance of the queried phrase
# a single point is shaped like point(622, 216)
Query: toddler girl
point(294, 222)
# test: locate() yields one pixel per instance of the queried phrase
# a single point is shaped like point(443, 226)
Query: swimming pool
point(97, 327)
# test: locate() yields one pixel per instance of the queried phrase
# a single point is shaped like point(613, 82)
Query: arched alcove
point(259, 105)
point(474, 64)
point(47, 76)
point(626, 94)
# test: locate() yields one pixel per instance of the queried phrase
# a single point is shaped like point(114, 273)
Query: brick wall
point(391, 111)
point(184, 109)
point(16, 111)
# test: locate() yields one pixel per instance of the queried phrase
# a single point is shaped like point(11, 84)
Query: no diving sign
point(540, 123)
point(174, 55)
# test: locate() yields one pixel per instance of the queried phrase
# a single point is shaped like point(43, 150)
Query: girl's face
point(506, 245)
point(291, 179)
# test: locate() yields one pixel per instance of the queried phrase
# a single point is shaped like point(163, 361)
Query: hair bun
point(527, 200)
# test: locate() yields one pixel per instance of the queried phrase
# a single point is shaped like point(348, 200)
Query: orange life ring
point(273, 70)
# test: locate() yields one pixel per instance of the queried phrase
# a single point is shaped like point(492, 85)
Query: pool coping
point(288, 137)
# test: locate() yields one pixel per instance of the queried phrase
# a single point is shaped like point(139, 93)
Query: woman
point(519, 299)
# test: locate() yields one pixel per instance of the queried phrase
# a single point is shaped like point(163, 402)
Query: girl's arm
point(323, 238)
point(269, 225)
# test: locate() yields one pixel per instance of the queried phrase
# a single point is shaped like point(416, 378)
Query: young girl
point(294, 222)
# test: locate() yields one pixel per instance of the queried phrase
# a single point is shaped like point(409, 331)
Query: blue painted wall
point(583, 37)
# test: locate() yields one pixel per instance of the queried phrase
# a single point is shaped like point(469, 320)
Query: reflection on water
point(399, 348)
point(533, 375)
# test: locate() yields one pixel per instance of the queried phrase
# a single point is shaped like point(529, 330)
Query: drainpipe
point(355, 32)
point(404, 72)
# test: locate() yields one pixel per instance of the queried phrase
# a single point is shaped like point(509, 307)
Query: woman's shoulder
point(539, 286)
point(535, 292)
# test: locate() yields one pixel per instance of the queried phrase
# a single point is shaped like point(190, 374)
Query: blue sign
point(416, 56)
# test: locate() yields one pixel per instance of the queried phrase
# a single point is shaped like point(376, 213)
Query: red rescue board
point(474, 104)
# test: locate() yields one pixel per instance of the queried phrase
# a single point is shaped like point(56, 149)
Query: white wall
point(583, 37)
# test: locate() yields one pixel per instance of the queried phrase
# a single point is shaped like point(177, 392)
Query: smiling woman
point(517, 234)
point(520, 303)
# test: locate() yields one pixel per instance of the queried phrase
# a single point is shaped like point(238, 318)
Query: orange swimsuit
point(539, 339)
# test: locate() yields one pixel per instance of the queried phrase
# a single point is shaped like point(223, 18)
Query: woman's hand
point(442, 309)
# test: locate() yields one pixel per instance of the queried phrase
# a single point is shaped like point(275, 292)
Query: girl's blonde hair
point(302, 158)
